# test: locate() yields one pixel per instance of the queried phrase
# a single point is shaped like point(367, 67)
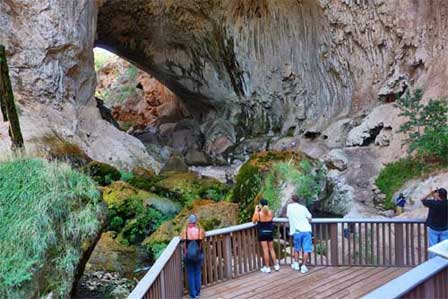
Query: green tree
point(426, 126)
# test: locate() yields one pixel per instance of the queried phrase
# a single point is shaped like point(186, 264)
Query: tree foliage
point(426, 126)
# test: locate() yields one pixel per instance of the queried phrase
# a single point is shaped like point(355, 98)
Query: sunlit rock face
point(276, 66)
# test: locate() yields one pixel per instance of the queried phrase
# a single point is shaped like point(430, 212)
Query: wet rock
point(196, 157)
point(336, 159)
point(175, 163)
point(112, 256)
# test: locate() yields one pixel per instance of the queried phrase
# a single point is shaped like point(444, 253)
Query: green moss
point(255, 178)
point(135, 213)
point(103, 174)
point(49, 215)
point(396, 174)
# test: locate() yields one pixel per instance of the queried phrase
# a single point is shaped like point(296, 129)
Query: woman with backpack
point(263, 217)
point(193, 235)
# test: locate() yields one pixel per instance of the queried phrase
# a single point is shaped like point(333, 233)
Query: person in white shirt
point(300, 229)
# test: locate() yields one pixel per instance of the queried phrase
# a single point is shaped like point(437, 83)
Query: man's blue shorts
point(303, 240)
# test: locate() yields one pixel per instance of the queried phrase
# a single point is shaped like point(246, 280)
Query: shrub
point(47, 211)
point(426, 125)
point(395, 174)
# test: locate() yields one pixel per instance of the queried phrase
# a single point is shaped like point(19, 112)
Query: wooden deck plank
point(320, 282)
point(295, 279)
point(341, 285)
point(361, 288)
point(255, 283)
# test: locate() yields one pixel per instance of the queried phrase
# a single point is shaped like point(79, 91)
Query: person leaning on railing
point(300, 229)
point(263, 217)
point(193, 255)
point(437, 220)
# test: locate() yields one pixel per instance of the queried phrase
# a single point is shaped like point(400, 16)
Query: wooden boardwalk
point(319, 282)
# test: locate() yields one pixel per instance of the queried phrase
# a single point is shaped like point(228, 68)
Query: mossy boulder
point(134, 213)
point(257, 178)
point(104, 174)
point(50, 219)
point(188, 186)
point(112, 256)
point(118, 194)
point(211, 215)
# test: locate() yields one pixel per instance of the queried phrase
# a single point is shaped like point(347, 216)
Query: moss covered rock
point(112, 256)
point(50, 218)
point(189, 186)
point(211, 215)
point(257, 178)
point(134, 213)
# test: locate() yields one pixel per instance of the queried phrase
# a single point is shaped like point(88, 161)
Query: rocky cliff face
point(276, 66)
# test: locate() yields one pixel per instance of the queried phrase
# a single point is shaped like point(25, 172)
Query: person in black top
point(437, 220)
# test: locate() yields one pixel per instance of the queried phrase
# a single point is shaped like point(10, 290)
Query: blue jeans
point(435, 237)
point(194, 278)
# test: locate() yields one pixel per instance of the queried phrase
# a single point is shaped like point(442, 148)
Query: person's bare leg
point(273, 256)
point(264, 246)
point(296, 256)
point(272, 252)
point(305, 258)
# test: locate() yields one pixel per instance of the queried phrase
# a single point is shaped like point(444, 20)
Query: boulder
point(112, 256)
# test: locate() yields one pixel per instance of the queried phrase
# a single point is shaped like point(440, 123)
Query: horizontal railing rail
point(233, 251)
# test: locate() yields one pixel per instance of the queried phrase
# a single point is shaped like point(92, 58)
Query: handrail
point(235, 228)
point(142, 287)
point(356, 220)
point(230, 229)
point(410, 280)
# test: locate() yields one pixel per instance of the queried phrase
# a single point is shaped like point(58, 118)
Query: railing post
point(228, 256)
point(399, 244)
point(334, 244)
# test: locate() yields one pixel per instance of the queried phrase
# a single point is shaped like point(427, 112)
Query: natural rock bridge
point(352, 259)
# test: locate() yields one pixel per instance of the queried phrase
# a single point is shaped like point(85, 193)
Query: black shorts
point(265, 238)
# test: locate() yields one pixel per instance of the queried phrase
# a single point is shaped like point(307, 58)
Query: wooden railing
point(233, 251)
point(165, 278)
point(428, 280)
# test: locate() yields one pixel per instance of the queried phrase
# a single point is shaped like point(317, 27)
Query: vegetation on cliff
point(50, 216)
point(426, 128)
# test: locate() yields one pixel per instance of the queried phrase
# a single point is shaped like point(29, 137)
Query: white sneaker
point(303, 269)
point(295, 266)
point(277, 267)
point(266, 270)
